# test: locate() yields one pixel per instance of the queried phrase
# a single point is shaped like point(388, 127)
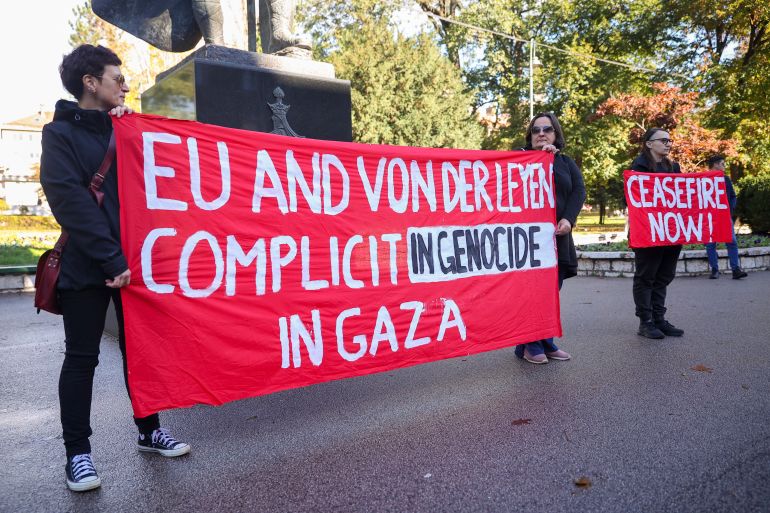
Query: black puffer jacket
point(74, 144)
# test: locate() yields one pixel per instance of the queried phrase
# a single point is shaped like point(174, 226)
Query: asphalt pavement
point(679, 425)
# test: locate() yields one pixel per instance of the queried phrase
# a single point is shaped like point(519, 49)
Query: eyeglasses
point(542, 129)
point(120, 79)
point(663, 140)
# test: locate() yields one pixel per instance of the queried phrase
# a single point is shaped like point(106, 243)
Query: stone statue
point(178, 25)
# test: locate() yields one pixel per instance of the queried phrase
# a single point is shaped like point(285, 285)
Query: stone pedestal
point(234, 88)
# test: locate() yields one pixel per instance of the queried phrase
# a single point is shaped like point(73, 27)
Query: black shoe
point(81, 474)
point(669, 329)
point(161, 442)
point(647, 329)
point(739, 273)
point(714, 274)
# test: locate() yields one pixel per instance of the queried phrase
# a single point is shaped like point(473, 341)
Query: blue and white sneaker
point(81, 474)
point(162, 443)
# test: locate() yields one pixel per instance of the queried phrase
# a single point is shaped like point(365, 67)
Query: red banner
point(666, 209)
point(262, 263)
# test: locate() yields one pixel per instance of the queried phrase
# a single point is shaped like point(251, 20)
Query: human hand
point(120, 110)
point(564, 227)
point(550, 148)
point(120, 280)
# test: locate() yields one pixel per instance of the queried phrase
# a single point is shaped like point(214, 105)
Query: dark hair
point(667, 163)
point(714, 159)
point(558, 142)
point(85, 60)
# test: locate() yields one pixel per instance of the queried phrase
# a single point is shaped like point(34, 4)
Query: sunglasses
point(663, 140)
point(120, 79)
point(542, 130)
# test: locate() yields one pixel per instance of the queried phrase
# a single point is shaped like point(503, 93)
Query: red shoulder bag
point(49, 264)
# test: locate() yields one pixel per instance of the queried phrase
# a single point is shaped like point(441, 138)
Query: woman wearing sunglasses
point(655, 267)
point(545, 133)
point(93, 267)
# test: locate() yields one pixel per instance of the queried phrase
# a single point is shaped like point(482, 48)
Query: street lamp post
point(534, 62)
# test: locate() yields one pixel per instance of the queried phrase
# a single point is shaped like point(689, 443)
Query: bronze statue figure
point(178, 25)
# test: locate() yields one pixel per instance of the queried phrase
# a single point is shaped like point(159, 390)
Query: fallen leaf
point(521, 422)
point(583, 482)
point(702, 368)
point(745, 387)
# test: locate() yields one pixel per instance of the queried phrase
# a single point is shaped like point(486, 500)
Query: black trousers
point(84, 313)
point(655, 269)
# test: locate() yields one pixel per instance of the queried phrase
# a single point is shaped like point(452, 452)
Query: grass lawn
point(24, 248)
point(589, 222)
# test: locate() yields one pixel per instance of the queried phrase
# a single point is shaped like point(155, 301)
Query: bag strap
point(94, 188)
point(98, 179)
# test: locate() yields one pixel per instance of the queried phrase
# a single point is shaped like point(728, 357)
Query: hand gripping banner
point(666, 209)
point(261, 262)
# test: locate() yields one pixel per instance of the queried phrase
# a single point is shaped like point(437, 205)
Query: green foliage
point(404, 91)
point(746, 240)
point(754, 202)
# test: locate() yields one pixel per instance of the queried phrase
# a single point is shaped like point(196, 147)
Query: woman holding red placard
point(655, 267)
point(545, 134)
point(93, 267)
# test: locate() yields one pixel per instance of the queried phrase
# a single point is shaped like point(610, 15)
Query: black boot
point(668, 329)
point(714, 274)
point(648, 329)
point(739, 273)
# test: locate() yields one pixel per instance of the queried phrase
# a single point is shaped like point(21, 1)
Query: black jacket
point(570, 196)
point(74, 144)
point(642, 164)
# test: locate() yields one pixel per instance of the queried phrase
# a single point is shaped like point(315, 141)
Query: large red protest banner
point(665, 209)
point(261, 263)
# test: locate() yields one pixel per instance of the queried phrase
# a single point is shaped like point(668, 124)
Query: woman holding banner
point(93, 267)
point(655, 267)
point(545, 134)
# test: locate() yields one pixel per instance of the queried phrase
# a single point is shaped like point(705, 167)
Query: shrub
point(754, 202)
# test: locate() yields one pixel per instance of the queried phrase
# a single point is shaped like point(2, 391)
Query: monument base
point(234, 88)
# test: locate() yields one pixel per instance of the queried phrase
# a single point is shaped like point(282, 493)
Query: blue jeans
point(732, 254)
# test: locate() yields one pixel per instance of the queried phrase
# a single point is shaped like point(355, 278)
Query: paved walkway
point(484, 433)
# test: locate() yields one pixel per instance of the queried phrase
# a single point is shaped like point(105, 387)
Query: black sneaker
point(647, 329)
point(81, 474)
point(162, 443)
point(739, 273)
point(714, 274)
point(669, 329)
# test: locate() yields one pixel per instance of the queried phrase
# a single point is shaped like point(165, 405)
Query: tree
point(673, 110)
point(404, 91)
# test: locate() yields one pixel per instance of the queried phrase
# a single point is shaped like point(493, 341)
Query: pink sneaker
point(558, 355)
point(535, 358)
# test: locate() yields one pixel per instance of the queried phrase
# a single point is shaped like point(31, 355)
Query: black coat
point(642, 164)
point(570, 196)
point(74, 144)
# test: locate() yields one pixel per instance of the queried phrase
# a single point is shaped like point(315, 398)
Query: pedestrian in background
point(717, 163)
point(545, 134)
point(655, 267)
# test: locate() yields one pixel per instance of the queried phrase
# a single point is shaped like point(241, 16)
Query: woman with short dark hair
point(545, 134)
point(93, 267)
point(655, 267)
